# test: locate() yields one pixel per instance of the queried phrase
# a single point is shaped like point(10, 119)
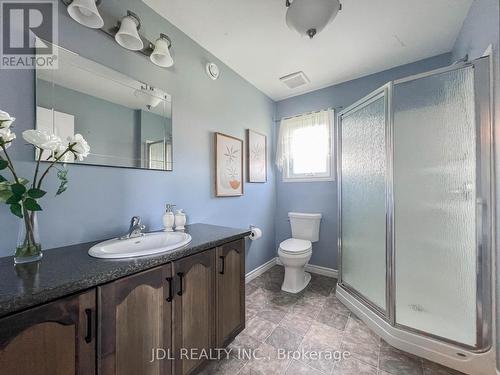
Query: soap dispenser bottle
point(180, 220)
point(169, 218)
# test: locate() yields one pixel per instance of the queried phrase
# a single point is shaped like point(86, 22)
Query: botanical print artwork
point(257, 158)
point(228, 165)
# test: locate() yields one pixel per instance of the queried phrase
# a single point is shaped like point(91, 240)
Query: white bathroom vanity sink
point(147, 244)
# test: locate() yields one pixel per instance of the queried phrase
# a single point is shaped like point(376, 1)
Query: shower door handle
point(480, 203)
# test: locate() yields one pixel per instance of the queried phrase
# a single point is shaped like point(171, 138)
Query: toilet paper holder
point(256, 232)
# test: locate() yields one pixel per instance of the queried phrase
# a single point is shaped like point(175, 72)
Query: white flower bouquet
point(22, 195)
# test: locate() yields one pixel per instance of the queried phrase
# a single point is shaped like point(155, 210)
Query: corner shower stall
point(415, 214)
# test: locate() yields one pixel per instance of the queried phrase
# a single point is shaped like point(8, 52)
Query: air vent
point(295, 80)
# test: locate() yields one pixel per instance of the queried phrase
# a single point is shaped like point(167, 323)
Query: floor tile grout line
point(241, 369)
point(359, 359)
point(301, 341)
point(341, 346)
point(379, 353)
point(287, 367)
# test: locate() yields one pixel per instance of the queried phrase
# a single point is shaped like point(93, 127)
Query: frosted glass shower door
point(435, 204)
point(362, 179)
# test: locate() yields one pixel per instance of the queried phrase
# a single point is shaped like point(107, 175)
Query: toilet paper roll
point(256, 234)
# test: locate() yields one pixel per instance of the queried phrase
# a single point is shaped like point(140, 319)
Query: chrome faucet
point(135, 229)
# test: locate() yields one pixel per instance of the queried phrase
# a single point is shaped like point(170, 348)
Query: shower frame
point(484, 211)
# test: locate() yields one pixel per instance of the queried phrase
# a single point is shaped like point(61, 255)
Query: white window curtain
point(289, 126)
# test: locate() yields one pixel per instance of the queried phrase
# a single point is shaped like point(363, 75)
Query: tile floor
point(314, 320)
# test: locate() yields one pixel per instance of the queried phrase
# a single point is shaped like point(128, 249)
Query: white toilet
point(295, 252)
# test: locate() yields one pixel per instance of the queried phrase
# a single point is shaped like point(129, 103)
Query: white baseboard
point(325, 271)
point(260, 270)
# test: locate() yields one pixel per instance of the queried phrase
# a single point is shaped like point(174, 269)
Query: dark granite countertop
point(67, 270)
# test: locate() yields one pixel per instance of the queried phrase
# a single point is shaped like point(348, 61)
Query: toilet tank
point(305, 226)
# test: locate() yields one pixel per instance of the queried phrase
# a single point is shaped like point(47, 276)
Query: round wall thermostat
point(212, 71)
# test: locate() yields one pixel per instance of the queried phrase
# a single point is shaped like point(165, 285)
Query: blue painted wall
point(101, 200)
point(480, 29)
point(322, 196)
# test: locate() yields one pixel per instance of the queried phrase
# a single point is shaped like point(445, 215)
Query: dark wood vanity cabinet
point(134, 319)
point(230, 291)
point(194, 309)
point(57, 338)
point(174, 303)
point(183, 309)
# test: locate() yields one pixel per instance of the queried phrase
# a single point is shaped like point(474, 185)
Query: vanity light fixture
point(85, 12)
point(161, 54)
point(128, 35)
point(125, 31)
point(309, 17)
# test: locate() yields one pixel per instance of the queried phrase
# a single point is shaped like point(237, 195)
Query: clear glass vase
point(29, 248)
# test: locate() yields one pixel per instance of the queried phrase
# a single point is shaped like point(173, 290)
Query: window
point(305, 147)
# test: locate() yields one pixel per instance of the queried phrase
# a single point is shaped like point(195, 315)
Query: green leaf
point(18, 189)
point(62, 175)
point(4, 195)
point(2, 179)
point(62, 188)
point(31, 205)
point(14, 198)
point(36, 193)
point(3, 164)
point(17, 210)
point(23, 181)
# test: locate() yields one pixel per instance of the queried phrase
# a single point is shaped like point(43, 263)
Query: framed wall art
point(256, 156)
point(228, 166)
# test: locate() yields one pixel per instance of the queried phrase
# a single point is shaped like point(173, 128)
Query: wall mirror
point(127, 123)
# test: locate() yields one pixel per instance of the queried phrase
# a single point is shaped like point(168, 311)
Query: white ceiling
point(368, 36)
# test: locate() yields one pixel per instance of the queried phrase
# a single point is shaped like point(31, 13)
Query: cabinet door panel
point(230, 291)
point(143, 304)
point(53, 339)
point(194, 305)
point(135, 318)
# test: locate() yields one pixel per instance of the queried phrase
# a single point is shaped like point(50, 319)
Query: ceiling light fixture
point(85, 12)
point(128, 35)
point(161, 54)
point(309, 17)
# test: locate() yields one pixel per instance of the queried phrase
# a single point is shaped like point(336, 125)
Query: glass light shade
point(147, 98)
point(128, 36)
point(85, 12)
point(161, 54)
point(309, 17)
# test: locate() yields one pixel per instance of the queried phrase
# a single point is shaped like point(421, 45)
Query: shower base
point(466, 361)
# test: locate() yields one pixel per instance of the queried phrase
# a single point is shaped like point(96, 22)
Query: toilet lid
point(295, 246)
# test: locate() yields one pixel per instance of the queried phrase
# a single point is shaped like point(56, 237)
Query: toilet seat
point(294, 246)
